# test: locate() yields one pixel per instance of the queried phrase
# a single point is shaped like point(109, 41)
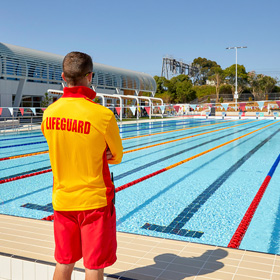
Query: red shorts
point(90, 234)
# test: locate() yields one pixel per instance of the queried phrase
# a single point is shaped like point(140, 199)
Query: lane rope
point(175, 130)
point(24, 176)
point(146, 135)
point(125, 186)
point(20, 177)
point(245, 222)
point(24, 155)
point(25, 144)
point(186, 160)
point(134, 137)
point(184, 138)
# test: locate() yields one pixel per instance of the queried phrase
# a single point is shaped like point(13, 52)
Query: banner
point(21, 111)
point(11, 111)
point(225, 106)
point(260, 103)
point(193, 106)
point(133, 110)
point(118, 109)
point(33, 110)
point(148, 109)
point(1, 111)
point(242, 106)
point(162, 107)
point(176, 107)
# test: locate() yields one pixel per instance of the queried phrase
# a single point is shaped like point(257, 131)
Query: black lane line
point(4, 153)
point(25, 195)
point(139, 168)
point(175, 145)
point(26, 144)
point(185, 133)
point(47, 208)
point(154, 197)
point(25, 164)
point(9, 139)
point(143, 124)
point(192, 127)
point(178, 144)
point(161, 126)
point(175, 227)
point(26, 172)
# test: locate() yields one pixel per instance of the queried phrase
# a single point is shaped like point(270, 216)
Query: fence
point(29, 119)
point(14, 119)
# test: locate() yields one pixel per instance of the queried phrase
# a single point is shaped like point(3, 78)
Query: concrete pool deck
point(27, 248)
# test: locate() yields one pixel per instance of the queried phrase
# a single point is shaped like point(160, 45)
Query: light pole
point(236, 92)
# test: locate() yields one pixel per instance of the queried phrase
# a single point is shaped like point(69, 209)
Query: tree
point(242, 77)
point(261, 84)
point(47, 100)
point(161, 84)
point(253, 83)
point(267, 84)
point(204, 65)
point(180, 89)
point(218, 77)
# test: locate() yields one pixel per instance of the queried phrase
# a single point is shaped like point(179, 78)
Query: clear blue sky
point(136, 35)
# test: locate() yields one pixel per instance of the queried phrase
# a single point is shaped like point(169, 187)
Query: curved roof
point(37, 66)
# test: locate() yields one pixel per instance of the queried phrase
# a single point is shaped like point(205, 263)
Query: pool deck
point(27, 248)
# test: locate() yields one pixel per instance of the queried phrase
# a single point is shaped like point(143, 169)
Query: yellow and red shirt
point(78, 132)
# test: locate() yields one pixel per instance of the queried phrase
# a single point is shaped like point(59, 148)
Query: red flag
point(43, 109)
point(242, 106)
point(176, 107)
point(278, 103)
point(21, 111)
point(148, 110)
point(118, 109)
point(1, 111)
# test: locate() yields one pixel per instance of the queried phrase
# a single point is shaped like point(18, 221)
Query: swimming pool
point(210, 171)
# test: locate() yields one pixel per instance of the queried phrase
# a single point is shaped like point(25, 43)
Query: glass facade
point(35, 66)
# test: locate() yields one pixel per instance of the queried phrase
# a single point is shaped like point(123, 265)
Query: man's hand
point(108, 154)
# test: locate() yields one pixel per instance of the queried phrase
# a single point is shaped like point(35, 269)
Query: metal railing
point(13, 120)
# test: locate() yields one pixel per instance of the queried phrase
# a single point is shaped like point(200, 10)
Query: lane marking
point(186, 160)
point(247, 218)
point(44, 152)
point(184, 138)
point(163, 132)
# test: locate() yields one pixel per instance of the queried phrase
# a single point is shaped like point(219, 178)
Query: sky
point(136, 35)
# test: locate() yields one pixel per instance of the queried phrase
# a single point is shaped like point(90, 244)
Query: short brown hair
point(75, 66)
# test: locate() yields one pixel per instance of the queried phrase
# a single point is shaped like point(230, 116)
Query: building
point(27, 74)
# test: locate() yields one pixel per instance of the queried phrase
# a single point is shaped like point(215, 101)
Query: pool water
point(201, 200)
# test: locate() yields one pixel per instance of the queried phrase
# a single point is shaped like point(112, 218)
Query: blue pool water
point(202, 200)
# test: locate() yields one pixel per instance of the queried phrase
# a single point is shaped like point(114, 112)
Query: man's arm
point(114, 142)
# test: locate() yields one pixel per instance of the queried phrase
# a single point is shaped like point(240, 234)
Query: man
point(83, 137)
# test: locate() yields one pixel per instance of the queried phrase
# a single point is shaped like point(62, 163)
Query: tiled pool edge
point(138, 257)
point(13, 266)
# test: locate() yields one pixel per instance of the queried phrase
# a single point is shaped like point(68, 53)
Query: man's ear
point(63, 76)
